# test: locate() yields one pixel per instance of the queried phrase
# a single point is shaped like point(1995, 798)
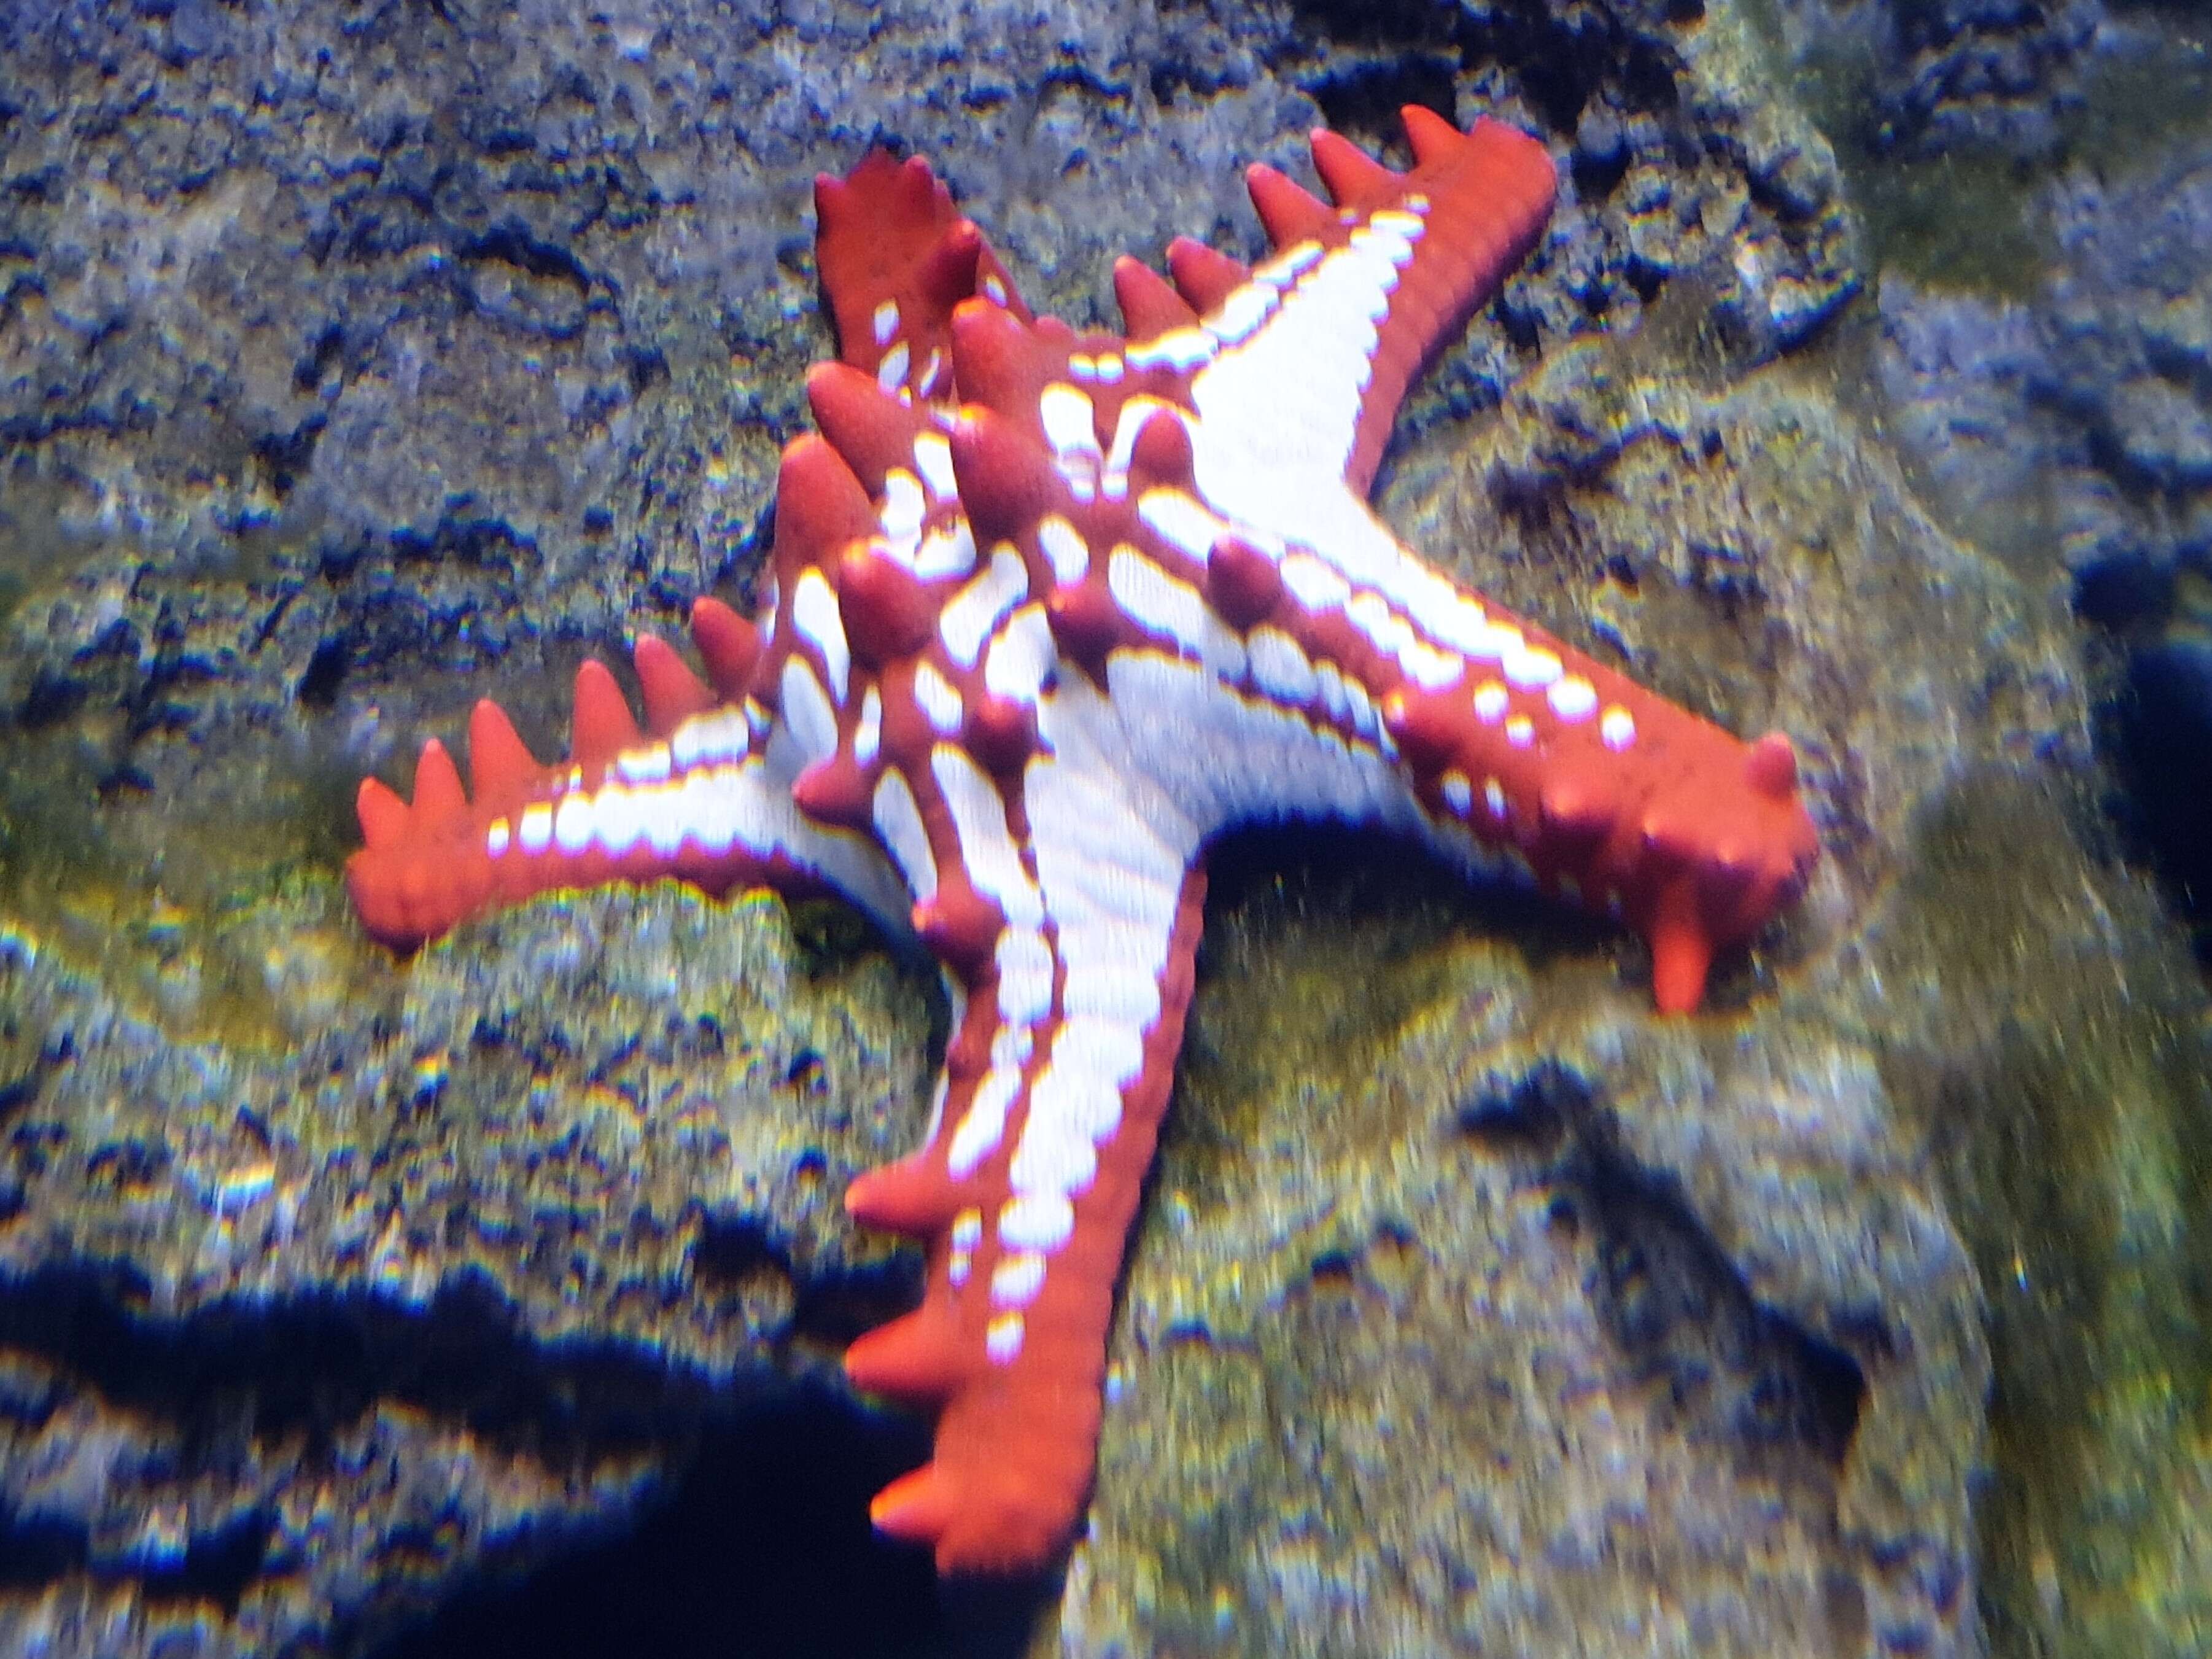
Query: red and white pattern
point(1050, 611)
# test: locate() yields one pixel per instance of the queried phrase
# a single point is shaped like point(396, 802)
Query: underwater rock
point(298, 1340)
point(2058, 423)
point(360, 360)
point(2070, 428)
point(1930, 77)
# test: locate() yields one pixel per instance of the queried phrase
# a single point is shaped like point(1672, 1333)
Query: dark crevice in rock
point(1563, 59)
point(1362, 871)
point(1374, 22)
point(763, 1547)
point(743, 557)
point(286, 455)
point(2153, 717)
point(2157, 730)
point(328, 349)
point(1725, 1366)
point(37, 1549)
point(318, 683)
point(16, 1093)
point(1531, 1116)
point(1678, 1307)
point(310, 1365)
point(784, 1478)
point(480, 543)
point(735, 1251)
point(52, 696)
point(831, 1310)
point(648, 366)
point(216, 1566)
point(1364, 99)
point(466, 612)
point(1173, 82)
point(1601, 157)
point(509, 242)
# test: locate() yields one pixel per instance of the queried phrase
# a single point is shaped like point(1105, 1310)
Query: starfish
point(1050, 611)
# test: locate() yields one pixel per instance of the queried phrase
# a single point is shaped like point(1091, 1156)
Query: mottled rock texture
point(359, 359)
point(1922, 77)
point(2059, 418)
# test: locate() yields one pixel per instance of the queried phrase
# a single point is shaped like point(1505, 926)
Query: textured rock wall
point(359, 359)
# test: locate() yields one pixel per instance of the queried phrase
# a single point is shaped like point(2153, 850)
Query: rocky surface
point(358, 360)
point(2061, 421)
point(2069, 425)
point(1926, 78)
point(295, 1335)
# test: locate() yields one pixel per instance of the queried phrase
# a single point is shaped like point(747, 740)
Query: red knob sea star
point(1050, 612)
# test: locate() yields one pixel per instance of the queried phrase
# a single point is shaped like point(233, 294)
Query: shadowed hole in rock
point(510, 243)
point(764, 1548)
point(36, 1548)
point(732, 1252)
point(2154, 721)
point(325, 671)
point(479, 544)
point(1722, 1366)
point(2158, 733)
point(1363, 101)
point(829, 1309)
point(761, 1544)
point(286, 457)
point(1728, 1366)
point(52, 696)
point(1328, 871)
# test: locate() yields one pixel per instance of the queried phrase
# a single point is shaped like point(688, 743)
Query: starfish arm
point(1055, 1084)
point(1527, 754)
point(896, 257)
point(1308, 362)
point(1278, 678)
point(702, 794)
point(1282, 681)
point(1063, 899)
point(1330, 673)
